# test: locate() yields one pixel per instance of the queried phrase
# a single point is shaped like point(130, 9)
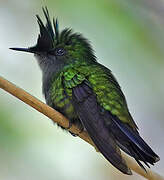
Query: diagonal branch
point(62, 121)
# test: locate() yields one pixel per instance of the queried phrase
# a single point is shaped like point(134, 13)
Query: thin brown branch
point(62, 121)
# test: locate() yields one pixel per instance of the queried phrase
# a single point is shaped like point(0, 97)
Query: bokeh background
point(128, 37)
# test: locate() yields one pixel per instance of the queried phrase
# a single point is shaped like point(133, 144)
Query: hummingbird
point(87, 93)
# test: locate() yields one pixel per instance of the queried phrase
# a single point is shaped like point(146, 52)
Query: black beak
point(30, 50)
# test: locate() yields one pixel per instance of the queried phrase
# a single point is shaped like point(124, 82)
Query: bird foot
point(69, 126)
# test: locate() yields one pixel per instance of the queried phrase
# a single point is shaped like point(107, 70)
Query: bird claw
point(69, 126)
point(81, 129)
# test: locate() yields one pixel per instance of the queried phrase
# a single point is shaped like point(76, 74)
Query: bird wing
point(89, 112)
point(102, 109)
point(109, 94)
point(104, 85)
point(122, 126)
point(84, 100)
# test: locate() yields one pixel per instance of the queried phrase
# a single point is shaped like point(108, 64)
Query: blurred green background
point(128, 38)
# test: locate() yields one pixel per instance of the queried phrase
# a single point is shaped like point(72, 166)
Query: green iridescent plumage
point(108, 92)
point(87, 93)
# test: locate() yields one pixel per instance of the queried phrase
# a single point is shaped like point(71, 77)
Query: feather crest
point(47, 35)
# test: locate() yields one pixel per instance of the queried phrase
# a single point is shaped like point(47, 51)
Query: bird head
point(54, 47)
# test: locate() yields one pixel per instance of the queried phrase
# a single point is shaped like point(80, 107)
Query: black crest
point(48, 36)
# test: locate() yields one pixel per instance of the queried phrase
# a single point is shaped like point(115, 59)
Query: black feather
point(140, 155)
point(130, 141)
point(56, 27)
point(136, 139)
point(44, 42)
point(89, 112)
point(65, 34)
point(48, 24)
point(46, 37)
point(106, 130)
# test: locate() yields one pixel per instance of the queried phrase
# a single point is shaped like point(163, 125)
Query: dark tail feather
point(88, 110)
point(136, 147)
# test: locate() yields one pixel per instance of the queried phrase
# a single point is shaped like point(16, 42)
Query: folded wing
point(89, 112)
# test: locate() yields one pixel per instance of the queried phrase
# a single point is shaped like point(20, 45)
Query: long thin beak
point(30, 50)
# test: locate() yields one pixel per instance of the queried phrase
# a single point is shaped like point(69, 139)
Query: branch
point(62, 121)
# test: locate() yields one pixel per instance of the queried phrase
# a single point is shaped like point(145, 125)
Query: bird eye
point(59, 51)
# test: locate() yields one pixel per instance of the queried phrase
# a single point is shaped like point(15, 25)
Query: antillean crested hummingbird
point(87, 93)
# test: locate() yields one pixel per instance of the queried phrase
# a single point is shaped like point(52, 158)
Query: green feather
point(106, 88)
